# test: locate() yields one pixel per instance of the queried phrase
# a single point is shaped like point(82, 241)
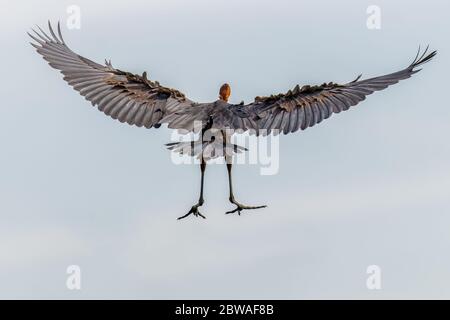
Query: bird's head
point(225, 92)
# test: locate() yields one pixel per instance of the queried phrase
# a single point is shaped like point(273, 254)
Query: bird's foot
point(194, 211)
point(240, 207)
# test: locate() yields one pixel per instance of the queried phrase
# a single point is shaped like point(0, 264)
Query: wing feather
point(121, 95)
point(307, 106)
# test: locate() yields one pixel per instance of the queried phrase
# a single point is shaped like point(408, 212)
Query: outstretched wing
point(306, 106)
point(121, 95)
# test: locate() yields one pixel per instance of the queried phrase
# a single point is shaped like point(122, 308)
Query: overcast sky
point(370, 186)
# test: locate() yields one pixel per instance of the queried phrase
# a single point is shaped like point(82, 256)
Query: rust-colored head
point(225, 92)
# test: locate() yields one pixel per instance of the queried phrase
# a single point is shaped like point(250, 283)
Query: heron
point(136, 100)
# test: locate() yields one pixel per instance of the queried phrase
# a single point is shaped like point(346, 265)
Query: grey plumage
point(138, 101)
point(310, 105)
point(121, 95)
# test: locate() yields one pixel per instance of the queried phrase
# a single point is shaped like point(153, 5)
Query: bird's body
point(136, 100)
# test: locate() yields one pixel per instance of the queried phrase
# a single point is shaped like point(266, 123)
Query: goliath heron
point(138, 101)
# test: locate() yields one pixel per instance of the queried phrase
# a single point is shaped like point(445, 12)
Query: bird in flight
point(136, 100)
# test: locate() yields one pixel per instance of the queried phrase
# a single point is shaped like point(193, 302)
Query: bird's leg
point(194, 209)
point(239, 207)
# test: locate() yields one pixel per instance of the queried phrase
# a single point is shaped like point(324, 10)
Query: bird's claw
point(240, 207)
point(194, 211)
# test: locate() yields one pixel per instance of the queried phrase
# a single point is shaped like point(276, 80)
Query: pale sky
point(370, 186)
